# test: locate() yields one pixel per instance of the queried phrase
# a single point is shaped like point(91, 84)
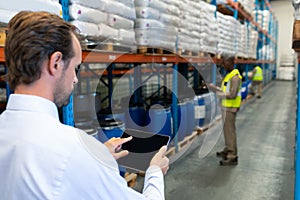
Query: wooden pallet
point(182, 52)
point(187, 141)
point(153, 50)
point(130, 179)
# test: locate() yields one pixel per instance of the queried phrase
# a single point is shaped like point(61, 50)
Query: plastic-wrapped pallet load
point(155, 25)
point(82, 13)
point(114, 20)
point(262, 17)
point(208, 37)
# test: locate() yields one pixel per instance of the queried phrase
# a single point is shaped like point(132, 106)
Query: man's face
point(65, 84)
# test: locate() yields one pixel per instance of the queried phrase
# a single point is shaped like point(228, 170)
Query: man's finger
point(162, 151)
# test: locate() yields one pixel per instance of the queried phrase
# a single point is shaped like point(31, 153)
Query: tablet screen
point(142, 148)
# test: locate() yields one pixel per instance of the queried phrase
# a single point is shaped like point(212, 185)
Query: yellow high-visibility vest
point(236, 102)
point(258, 76)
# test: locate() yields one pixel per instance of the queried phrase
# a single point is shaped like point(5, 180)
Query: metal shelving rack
point(178, 62)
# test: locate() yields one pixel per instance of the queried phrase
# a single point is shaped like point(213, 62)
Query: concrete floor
point(266, 137)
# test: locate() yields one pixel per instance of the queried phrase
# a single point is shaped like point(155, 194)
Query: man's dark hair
point(31, 40)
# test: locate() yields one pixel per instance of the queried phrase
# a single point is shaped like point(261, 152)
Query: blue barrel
point(210, 108)
point(182, 121)
point(159, 120)
point(244, 90)
point(191, 121)
point(109, 128)
point(135, 118)
point(116, 114)
point(199, 110)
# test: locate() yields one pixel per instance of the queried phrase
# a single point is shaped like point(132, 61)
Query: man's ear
point(55, 62)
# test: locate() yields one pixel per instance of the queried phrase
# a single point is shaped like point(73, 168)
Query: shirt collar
point(32, 103)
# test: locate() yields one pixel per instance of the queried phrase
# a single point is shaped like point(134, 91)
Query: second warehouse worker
point(257, 80)
point(230, 95)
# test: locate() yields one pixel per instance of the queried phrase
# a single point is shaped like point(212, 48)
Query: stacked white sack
point(228, 34)
point(103, 21)
point(208, 27)
point(262, 17)
point(156, 23)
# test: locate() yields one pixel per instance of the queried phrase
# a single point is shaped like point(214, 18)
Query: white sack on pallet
point(82, 13)
point(119, 22)
point(129, 3)
point(157, 4)
point(98, 4)
point(156, 43)
point(6, 15)
point(159, 34)
point(34, 5)
point(108, 32)
point(119, 9)
point(127, 37)
point(147, 13)
point(148, 23)
point(86, 28)
point(169, 19)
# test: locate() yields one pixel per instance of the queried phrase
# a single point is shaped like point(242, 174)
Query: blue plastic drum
point(109, 128)
point(135, 118)
point(199, 110)
point(191, 121)
point(182, 121)
point(159, 120)
point(210, 108)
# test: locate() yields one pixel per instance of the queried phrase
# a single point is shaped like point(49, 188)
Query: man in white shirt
point(41, 158)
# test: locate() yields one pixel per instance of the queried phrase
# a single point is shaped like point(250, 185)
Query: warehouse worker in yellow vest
point(230, 95)
point(257, 81)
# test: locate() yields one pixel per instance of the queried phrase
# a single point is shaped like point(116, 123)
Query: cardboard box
point(2, 36)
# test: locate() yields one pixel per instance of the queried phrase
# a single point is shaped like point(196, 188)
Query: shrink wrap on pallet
point(160, 34)
point(147, 13)
point(148, 23)
point(119, 22)
point(86, 28)
point(157, 4)
point(108, 32)
point(120, 9)
point(82, 13)
point(169, 19)
point(127, 37)
point(98, 4)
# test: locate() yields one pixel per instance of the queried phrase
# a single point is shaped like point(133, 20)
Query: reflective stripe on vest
point(258, 76)
point(236, 102)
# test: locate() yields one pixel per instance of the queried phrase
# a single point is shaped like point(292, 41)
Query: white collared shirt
point(41, 158)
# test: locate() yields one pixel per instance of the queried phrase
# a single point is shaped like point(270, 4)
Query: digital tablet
point(142, 148)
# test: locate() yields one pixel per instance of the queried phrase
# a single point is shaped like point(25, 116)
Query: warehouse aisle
point(266, 134)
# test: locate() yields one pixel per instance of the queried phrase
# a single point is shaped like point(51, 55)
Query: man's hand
point(161, 160)
point(114, 145)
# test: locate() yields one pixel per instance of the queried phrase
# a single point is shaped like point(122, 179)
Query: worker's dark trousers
point(229, 132)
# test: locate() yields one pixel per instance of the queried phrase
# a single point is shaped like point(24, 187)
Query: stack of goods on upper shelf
point(104, 21)
point(157, 23)
point(262, 17)
point(229, 32)
point(208, 27)
point(247, 5)
point(9, 8)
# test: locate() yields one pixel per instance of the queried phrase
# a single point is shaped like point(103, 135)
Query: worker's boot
point(222, 154)
point(229, 161)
